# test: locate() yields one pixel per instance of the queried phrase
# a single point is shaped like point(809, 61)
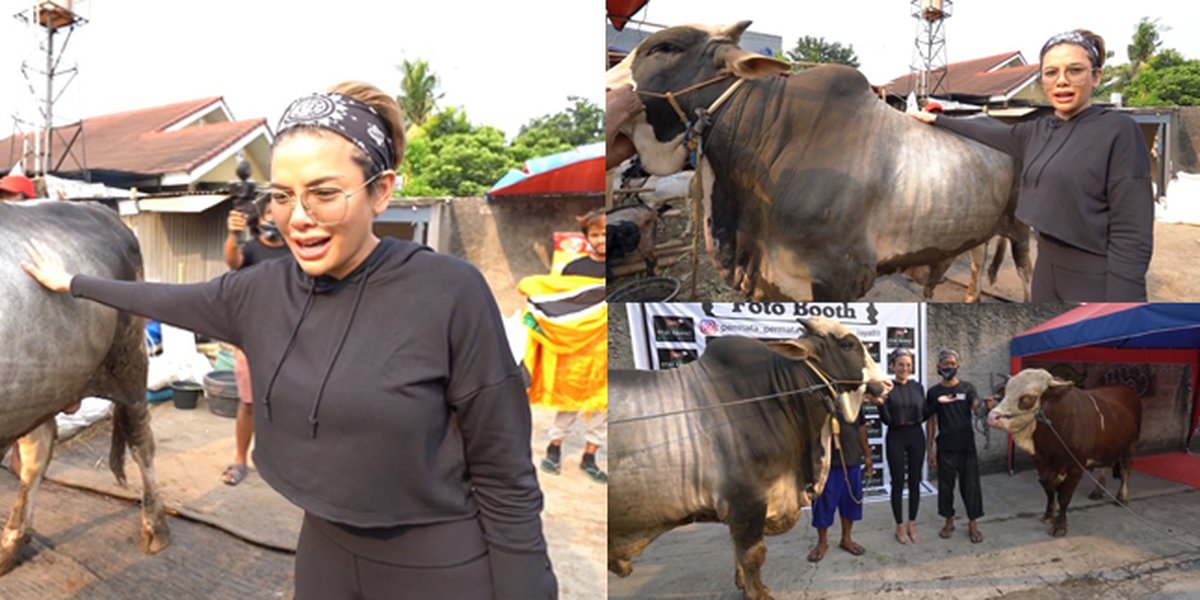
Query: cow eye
point(667, 47)
point(1027, 402)
point(846, 344)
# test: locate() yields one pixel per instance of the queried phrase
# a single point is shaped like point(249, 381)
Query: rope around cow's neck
point(826, 383)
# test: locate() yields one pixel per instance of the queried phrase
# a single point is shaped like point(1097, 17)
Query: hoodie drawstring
point(308, 302)
point(316, 407)
point(1037, 181)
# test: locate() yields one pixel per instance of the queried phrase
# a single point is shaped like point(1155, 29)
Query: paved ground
point(234, 542)
point(1109, 553)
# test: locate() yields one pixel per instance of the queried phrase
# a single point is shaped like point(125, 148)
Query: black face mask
point(948, 373)
point(270, 232)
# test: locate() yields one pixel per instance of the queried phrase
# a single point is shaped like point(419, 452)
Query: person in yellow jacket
point(567, 354)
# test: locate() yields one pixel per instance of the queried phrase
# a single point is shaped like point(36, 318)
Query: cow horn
point(736, 30)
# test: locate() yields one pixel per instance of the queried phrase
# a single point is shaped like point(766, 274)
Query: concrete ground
point(1151, 552)
point(230, 541)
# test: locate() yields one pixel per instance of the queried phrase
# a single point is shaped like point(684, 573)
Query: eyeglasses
point(1074, 73)
point(325, 205)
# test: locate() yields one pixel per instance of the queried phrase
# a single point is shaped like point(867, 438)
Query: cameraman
point(265, 243)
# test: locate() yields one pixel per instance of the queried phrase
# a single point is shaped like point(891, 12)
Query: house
point(995, 81)
point(178, 160)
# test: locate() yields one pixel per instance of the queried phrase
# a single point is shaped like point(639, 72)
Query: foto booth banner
point(670, 335)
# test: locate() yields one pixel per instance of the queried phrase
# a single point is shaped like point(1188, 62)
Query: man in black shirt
point(592, 265)
point(953, 402)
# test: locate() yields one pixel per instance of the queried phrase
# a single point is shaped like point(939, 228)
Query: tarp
point(1116, 325)
point(619, 11)
point(578, 171)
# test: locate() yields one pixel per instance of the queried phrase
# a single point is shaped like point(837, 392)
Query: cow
point(740, 436)
point(58, 349)
point(811, 185)
point(1068, 429)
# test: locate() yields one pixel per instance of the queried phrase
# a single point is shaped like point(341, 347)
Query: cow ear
point(792, 349)
point(750, 65)
point(1059, 385)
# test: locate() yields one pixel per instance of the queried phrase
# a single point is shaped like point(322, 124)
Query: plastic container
point(220, 390)
point(650, 289)
point(185, 394)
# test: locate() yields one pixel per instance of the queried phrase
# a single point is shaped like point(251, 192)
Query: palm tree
point(1146, 42)
point(418, 91)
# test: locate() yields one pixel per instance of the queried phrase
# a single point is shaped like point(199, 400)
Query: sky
point(505, 63)
point(883, 32)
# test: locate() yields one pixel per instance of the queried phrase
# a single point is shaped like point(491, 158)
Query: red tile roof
point(975, 78)
point(135, 141)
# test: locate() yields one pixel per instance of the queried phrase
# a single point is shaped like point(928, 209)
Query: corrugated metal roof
point(984, 77)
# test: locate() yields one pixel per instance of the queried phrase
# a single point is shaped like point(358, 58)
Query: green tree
point(581, 123)
point(1168, 79)
point(817, 50)
point(418, 91)
point(450, 156)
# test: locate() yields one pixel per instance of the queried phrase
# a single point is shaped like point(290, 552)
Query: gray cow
point(813, 186)
point(58, 350)
point(685, 447)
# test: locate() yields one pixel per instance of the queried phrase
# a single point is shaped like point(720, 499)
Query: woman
point(390, 408)
point(1085, 180)
point(903, 410)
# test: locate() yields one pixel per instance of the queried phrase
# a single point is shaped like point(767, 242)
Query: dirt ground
point(1151, 552)
point(231, 542)
point(1168, 280)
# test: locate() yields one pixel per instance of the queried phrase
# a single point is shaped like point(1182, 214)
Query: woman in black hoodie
point(1085, 181)
point(390, 408)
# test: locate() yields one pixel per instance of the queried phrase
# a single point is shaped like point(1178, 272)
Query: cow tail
point(994, 268)
point(120, 438)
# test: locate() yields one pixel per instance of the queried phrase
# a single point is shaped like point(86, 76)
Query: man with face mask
point(265, 243)
point(953, 402)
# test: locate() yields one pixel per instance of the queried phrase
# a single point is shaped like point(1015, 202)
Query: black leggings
point(905, 452)
point(445, 560)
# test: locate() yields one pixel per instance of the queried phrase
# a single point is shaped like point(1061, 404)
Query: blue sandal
point(234, 474)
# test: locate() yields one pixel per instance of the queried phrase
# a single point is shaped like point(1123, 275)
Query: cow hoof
point(1048, 518)
point(155, 540)
point(8, 560)
point(1096, 495)
point(620, 567)
point(761, 594)
point(1058, 531)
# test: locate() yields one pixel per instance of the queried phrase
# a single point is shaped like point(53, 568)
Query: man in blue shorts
point(843, 490)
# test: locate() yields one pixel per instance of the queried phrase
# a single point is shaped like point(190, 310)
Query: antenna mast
point(929, 49)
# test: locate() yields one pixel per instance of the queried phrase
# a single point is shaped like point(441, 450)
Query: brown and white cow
point(1067, 430)
point(686, 446)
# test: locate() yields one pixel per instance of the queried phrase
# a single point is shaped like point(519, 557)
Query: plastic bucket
point(220, 390)
point(650, 289)
point(185, 394)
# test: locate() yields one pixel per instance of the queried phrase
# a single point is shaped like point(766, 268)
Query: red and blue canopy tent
point(577, 172)
point(1119, 333)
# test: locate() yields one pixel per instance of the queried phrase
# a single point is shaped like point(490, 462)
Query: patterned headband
point(1074, 37)
point(347, 117)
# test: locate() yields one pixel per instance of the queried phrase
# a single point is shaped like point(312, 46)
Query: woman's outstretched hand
point(45, 268)
point(922, 116)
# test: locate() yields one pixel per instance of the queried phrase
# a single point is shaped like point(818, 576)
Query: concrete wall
point(1186, 145)
point(509, 239)
point(981, 335)
point(620, 346)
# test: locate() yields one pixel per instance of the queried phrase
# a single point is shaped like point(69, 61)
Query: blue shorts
point(837, 497)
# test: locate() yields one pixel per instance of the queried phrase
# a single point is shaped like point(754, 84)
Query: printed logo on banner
point(708, 327)
point(846, 312)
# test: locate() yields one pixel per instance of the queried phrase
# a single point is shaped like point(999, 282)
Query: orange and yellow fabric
point(567, 350)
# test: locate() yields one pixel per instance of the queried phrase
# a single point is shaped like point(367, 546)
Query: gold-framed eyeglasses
point(324, 204)
point(1075, 73)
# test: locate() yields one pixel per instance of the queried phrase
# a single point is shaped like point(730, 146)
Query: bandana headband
point(347, 117)
point(1074, 37)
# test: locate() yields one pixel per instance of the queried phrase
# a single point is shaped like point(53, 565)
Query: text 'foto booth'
point(1152, 348)
point(671, 335)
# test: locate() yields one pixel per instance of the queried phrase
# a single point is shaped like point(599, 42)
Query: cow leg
point(1126, 463)
point(1098, 493)
point(135, 420)
point(746, 522)
point(1065, 490)
point(1048, 487)
point(978, 256)
point(35, 448)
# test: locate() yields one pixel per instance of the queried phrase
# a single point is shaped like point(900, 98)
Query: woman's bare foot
point(912, 532)
point(902, 535)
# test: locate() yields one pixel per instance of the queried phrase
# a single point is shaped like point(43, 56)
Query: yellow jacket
point(567, 352)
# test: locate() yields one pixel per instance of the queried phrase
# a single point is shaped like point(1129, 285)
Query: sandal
point(234, 474)
point(946, 532)
point(903, 539)
point(976, 536)
point(853, 548)
point(817, 553)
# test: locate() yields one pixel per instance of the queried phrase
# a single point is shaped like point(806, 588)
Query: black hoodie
point(1085, 182)
point(389, 397)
